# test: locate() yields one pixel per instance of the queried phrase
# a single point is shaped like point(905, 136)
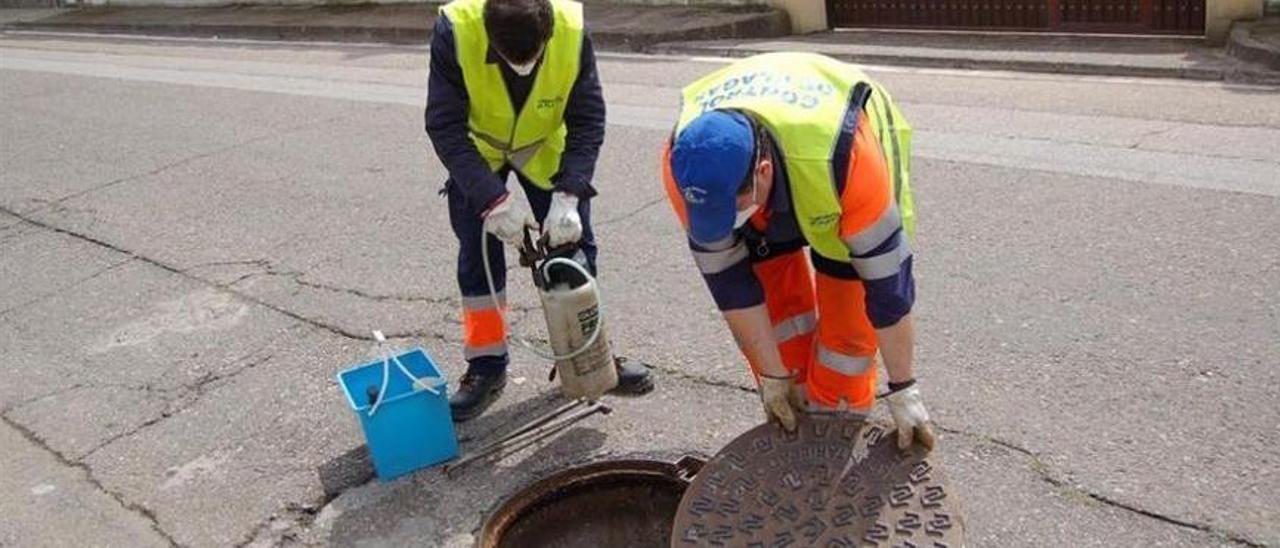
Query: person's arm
point(726, 269)
point(897, 348)
point(584, 118)
point(446, 124)
point(754, 334)
point(872, 228)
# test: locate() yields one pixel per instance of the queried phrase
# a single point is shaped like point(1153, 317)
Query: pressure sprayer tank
point(570, 303)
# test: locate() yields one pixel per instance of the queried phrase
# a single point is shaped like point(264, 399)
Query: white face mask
point(525, 69)
point(745, 215)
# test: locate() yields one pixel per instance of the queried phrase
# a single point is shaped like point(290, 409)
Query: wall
point(1219, 14)
point(806, 15)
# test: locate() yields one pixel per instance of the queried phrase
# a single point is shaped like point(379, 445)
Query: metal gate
point(1119, 16)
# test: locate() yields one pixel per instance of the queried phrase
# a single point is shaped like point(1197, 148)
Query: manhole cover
point(770, 488)
point(611, 503)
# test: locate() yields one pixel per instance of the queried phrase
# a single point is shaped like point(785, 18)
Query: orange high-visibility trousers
point(822, 331)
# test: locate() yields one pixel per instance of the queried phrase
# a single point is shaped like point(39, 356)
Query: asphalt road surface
point(196, 235)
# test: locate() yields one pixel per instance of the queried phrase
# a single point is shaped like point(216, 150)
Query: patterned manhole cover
point(771, 488)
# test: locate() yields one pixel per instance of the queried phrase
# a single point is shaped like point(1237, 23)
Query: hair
point(518, 28)
point(763, 150)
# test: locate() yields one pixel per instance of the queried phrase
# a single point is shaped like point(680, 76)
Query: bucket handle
point(387, 357)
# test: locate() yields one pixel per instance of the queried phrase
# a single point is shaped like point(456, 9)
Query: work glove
point(907, 408)
point(507, 221)
point(780, 399)
point(563, 225)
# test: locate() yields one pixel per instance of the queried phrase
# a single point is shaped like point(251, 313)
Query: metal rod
point(534, 434)
point(550, 429)
point(531, 425)
point(539, 432)
point(541, 420)
point(529, 435)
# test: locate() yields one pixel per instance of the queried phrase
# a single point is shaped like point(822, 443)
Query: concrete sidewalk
point(22, 15)
point(1257, 42)
point(611, 26)
point(1109, 55)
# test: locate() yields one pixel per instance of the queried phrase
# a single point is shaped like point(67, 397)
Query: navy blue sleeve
point(446, 124)
point(890, 299)
point(584, 117)
point(729, 276)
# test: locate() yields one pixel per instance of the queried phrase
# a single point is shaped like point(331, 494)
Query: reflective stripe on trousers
point(842, 363)
point(795, 326)
point(822, 332)
point(483, 332)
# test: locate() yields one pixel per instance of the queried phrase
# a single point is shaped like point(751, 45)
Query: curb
point(1260, 77)
point(771, 24)
point(767, 24)
point(1243, 46)
point(288, 33)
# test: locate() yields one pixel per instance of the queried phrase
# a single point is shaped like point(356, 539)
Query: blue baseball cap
point(709, 161)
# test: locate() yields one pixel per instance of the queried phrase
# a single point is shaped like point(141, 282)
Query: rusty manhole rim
point(523, 500)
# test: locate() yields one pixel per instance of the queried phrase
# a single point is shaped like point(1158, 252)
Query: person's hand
point(563, 225)
point(780, 400)
point(507, 221)
point(909, 414)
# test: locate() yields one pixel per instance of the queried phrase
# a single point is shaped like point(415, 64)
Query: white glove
point(563, 225)
point(909, 415)
point(507, 221)
point(780, 400)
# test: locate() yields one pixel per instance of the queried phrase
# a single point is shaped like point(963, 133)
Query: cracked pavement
point(196, 236)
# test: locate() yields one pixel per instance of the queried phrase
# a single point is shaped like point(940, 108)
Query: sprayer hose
point(544, 354)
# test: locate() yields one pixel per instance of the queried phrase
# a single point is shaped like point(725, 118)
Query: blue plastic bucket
point(409, 429)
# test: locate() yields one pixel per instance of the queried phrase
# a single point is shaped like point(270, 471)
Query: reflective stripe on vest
point(533, 141)
point(804, 99)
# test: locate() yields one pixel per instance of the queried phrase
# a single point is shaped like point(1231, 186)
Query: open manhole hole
point(612, 503)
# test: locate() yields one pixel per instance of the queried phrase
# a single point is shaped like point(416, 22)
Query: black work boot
point(632, 379)
point(475, 394)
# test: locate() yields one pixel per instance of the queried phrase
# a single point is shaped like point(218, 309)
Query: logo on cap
point(694, 195)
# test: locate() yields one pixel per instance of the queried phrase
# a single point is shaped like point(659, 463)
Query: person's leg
point(483, 331)
point(842, 374)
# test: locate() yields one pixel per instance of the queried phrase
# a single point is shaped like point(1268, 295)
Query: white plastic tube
point(387, 357)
